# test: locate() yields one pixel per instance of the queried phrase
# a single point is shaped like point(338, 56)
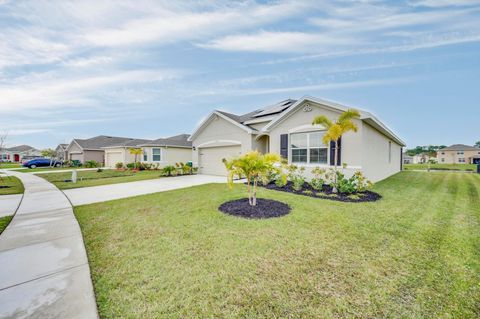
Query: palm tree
point(135, 151)
point(335, 130)
point(252, 165)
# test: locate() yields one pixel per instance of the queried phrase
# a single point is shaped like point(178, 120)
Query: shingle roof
point(177, 140)
point(97, 142)
point(460, 147)
point(21, 148)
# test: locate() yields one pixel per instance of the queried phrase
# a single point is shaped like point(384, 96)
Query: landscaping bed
point(10, 185)
point(265, 208)
point(326, 193)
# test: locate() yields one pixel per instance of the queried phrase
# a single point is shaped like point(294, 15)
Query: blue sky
point(150, 69)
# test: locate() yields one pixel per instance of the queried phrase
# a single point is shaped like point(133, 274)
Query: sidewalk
point(44, 267)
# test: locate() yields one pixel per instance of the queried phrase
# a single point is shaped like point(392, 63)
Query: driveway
point(96, 194)
point(9, 204)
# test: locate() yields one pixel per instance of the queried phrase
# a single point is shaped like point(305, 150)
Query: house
point(422, 158)
point(91, 149)
point(19, 153)
point(286, 128)
point(61, 152)
point(459, 154)
point(163, 151)
point(407, 159)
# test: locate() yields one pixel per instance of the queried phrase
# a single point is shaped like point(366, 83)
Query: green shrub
point(119, 165)
point(318, 178)
point(295, 175)
point(281, 180)
point(169, 170)
point(130, 165)
point(307, 192)
point(356, 183)
point(91, 164)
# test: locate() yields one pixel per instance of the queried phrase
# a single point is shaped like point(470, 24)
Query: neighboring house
point(61, 151)
point(422, 158)
point(459, 154)
point(19, 153)
point(286, 128)
point(91, 149)
point(163, 151)
point(407, 159)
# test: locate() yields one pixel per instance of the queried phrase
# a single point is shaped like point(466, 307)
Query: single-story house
point(459, 154)
point(61, 152)
point(423, 158)
point(407, 159)
point(19, 153)
point(91, 149)
point(286, 128)
point(162, 151)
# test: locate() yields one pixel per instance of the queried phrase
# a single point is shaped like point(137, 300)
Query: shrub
point(168, 170)
point(281, 180)
point(91, 164)
point(318, 178)
point(307, 192)
point(119, 165)
point(298, 181)
point(99, 170)
point(130, 165)
point(295, 175)
point(354, 184)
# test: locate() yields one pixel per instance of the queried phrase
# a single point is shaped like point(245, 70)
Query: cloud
point(443, 3)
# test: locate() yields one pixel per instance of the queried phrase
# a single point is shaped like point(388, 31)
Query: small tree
point(136, 152)
point(335, 130)
point(49, 153)
point(477, 144)
point(254, 166)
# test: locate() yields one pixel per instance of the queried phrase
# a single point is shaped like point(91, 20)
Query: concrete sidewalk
point(96, 194)
point(9, 204)
point(44, 266)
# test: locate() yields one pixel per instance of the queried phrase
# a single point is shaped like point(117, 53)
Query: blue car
point(42, 162)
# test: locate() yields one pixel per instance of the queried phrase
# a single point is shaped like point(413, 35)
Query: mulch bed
point(266, 208)
point(4, 186)
point(326, 193)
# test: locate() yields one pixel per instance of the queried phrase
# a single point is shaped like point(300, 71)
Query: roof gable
point(460, 147)
point(231, 118)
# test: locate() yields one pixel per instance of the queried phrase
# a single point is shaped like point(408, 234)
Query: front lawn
point(45, 169)
point(14, 185)
point(9, 165)
point(4, 221)
point(413, 254)
point(94, 178)
point(454, 167)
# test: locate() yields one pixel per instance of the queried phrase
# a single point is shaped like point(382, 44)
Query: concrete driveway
point(96, 194)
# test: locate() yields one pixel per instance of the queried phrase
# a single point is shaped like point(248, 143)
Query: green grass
point(456, 167)
point(9, 165)
point(413, 254)
point(44, 169)
point(15, 185)
point(94, 178)
point(4, 221)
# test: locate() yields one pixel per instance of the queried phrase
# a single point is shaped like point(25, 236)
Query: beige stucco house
point(286, 128)
point(459, 154)
point(20, 153)
point(161, 152)
point(61, 152)
point(91, 149)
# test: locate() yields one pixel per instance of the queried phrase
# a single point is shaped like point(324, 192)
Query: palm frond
point(348, 115)
point(322, 120)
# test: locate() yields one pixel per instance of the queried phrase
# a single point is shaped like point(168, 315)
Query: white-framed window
point(308, 148)
point(145, 155)
point(460, 153)
point(156, 154)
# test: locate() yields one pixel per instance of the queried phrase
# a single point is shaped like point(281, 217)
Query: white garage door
point(76, 156)
point(113, 158)
point(210, 159)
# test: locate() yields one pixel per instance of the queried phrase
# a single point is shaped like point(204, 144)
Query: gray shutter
point(284, 145)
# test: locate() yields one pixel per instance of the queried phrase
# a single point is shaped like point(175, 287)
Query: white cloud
point(443, 3)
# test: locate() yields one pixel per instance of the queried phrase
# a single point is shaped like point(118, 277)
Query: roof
point(21, 148)
point(98, 142)
point(134, 142)
point(275, 114)
point(181, 140)
point(62, 146)
point(460, 147)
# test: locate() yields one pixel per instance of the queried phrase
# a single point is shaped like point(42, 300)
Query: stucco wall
point(451, 157)
point(169, 155)
point(376, 162)
point(72, 151)
point(220, 132)
point(97, 156)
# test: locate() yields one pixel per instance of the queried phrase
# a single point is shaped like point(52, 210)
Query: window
point(389, 151)
point(443, 153)
point(308, 148)
point(461, 160)
point(156, 154)
point(460, 153)
point(145, 155)
point(443, 160)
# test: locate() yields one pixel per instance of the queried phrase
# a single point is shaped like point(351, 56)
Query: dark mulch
point(326, 193)
point(4, 186)
point(266, 208)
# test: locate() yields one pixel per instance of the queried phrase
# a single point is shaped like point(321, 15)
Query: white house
point(286, 128)
point(19, 153)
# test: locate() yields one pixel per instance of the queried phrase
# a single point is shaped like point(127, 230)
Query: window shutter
point(332, 152)
point(284, 145)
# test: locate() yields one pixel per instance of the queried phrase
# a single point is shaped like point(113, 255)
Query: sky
point(151, 69)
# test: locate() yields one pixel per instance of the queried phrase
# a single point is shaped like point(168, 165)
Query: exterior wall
point(74, 152)
point(220, 132)
point(301, 122)
point(452, 157)
point(377, 164)
point(258, 126)
point(168, 155)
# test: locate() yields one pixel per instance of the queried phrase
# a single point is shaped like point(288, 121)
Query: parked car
point(42, 162)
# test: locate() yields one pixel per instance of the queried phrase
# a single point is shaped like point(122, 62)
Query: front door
point(16, 158)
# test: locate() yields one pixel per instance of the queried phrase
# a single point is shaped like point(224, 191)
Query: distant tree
point(136, 152)
point(3, 142)
point(477, 144)
point(49, 153)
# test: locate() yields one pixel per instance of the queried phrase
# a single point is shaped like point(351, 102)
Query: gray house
point(286, 128)
point(84, 150)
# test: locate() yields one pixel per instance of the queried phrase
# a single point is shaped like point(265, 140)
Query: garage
point(76, 157)
point(112, 158)
point(210, 159)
